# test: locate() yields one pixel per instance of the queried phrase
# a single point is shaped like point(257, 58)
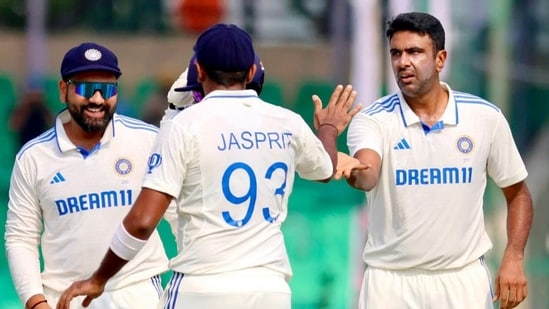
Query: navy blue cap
point(259, 76)
point(193, 84)
point(89, 57)
point(225, 47)
point(192, 77)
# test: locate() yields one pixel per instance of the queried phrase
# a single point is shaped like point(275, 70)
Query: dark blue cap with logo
point(225, 47)
point(89, 57)
point(193, 84)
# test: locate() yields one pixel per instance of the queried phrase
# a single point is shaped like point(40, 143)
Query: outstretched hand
point(346, 165)
point(90, 288)
point(339, 111)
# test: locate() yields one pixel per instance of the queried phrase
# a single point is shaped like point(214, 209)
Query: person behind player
point(186, 90)
point(72, 186)
point(230, 162)
point(428, 150)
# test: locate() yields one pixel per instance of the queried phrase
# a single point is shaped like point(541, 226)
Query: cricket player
point(429, 150)
point(230, 163)
point(72, 186)
point(186, 90)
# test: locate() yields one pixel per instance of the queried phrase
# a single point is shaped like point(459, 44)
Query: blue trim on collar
point(438, 126)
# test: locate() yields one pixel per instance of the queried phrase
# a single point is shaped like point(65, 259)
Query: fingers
point(86, 301)
point(509, 296)
point(355, 110)
point(317, 108)
point(336, 95)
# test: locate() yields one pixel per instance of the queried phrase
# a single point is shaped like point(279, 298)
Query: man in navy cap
point(72, 186)
point(186, 90)
point(230, 163)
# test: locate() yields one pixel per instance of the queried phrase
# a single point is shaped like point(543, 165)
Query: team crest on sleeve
point(465, 144)
point(154, 161)
point(123, 166)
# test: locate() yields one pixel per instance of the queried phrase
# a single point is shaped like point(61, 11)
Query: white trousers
point(466, 287)
point(140, 295)
point(248, 289)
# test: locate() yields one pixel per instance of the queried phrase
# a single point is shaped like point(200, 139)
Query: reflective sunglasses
point(88, 89)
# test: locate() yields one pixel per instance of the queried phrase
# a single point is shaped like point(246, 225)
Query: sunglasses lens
point(88, 89)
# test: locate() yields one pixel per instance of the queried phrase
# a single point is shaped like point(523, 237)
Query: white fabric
point(251, 288)
point(143, 294)
point(466, 287)
point(233, 146)
point(70, 202)
point(125, 245)
point(177, 98)
point(421, 214)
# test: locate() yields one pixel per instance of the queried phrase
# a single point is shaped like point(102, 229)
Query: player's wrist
point(42, 303)
point(328, 125)
point(124, 245)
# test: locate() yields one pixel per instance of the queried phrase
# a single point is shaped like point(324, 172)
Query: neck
point(430, 106)
point(81, 138)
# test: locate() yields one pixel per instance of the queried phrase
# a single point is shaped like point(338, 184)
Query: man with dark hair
point(429, 150)
point(71, 187)
point(230, 163)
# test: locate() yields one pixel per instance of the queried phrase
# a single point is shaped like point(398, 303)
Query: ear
point(251, 74)
point(62, 86)
point(441, 59)
point(201, 73)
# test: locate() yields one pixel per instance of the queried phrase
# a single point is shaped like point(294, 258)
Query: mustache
point(103, 107)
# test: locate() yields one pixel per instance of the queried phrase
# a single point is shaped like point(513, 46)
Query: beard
point(91, 124)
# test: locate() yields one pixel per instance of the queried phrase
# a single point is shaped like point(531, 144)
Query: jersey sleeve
point(505, 165)
point(167, 163)
point(22, 235)
point(312, 160)
point(364, 133)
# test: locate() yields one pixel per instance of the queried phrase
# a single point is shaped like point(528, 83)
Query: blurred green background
point(497, 49)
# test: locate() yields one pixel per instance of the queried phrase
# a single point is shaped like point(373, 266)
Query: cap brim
point(187, 88)
point(93, 67)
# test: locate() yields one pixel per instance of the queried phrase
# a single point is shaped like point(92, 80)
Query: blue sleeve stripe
point(386, 104)
point(42, 138)
point(466, 98)
point(136, 124)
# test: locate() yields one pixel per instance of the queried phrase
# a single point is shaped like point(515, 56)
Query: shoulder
point(130, 123)
point(46, 139)
point(383, 105)
point(467, 100)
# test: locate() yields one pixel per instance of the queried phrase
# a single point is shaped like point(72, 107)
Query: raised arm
point(332, 120)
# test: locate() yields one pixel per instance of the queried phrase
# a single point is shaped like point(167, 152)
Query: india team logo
point(465, 144)
point(123, 166)
point(92, 54)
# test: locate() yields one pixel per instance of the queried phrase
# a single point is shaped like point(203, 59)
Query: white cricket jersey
point(427, 209)
point(230, 161)
point(70, 201)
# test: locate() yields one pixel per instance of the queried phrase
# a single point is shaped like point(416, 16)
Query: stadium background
point(498, 49)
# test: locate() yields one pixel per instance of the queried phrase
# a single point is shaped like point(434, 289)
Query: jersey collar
point(231, 94)
point(450, 116)
point(63, 140)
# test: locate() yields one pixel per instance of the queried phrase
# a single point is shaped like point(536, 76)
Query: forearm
point(364, 180)
point(519, 223)
point(327, 134)
point(110, 265)
point(24, 266)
